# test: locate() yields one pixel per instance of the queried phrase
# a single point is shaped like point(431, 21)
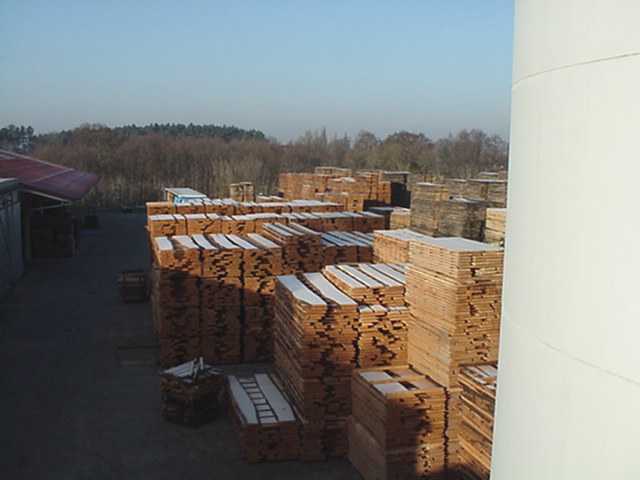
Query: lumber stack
point(346, 247)
point(191, 392)
point(242, 192)
point(222, 329)
point(166, 224)
point(392, 246)
point(495, 225)
point(301, 247)
point(212, 295)
point(160, 208)
point(400, 218)
point(264, 420)
point(398, 424)
point(488, 190)
point(454, 289)
point(382, 314)
point(435, 212)
point(314, 357)
point(478, 399)
point(367, 284)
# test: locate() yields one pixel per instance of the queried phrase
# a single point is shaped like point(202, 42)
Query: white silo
point(569, 376)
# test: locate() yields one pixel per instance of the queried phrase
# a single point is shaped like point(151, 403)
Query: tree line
point(135, 163)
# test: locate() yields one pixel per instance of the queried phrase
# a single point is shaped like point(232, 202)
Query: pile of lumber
point(488, 190)
point(478, 398)
point(435, 212)
point(301, 246)
point(454, 289)
point(314, 356)
point(265, 422)
point(209, 223)
point(347, 247)
point(227, 206)
point(212, 295)
point(338, 171)
point(392, 246)
point(242, 192)
point(191, 392)
point(400, 218)
point(382, 314)
point(495, 225)
point(353, 192)
point(398, 424)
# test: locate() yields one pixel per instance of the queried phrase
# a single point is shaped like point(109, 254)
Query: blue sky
point(284, 67)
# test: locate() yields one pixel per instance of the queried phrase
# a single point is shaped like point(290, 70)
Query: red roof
point(46, 178)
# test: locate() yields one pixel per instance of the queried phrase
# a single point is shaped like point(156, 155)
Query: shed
point(11, 263)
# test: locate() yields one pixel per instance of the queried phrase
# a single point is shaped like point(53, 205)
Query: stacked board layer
point(478, 399)
point(397, 429)
point(210, 223)
point(392, 246)
point(227, 206)
point(265, 422)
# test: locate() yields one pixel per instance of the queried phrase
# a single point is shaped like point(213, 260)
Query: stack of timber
point(382, 314)
point(493, 191)
point(191, 393)
point(338, 171)
point(301, 247)
point(227, 206)
point(242, 192)
point(398, 423)
point(400, 218)
point(392, 246)
point(211, 223)
point(314, 357)
point(212, 295)
point(347, 247)
point(478, 398)
point(454, 289)
point(495, 226)
point(265, 422)
point(385, 212)
point(434, 213)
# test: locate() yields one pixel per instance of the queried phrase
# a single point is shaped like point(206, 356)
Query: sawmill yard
point(81, 398)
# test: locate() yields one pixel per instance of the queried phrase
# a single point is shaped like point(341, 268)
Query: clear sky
point(284, 67)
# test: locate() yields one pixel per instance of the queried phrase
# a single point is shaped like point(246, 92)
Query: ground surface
point(79, 396)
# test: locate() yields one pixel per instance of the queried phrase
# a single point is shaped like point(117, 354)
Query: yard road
point(79, 390)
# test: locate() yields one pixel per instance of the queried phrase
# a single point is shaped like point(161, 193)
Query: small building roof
point(8, 184)
point(45, 178)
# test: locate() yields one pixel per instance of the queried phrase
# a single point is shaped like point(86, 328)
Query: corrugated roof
point(46, 178)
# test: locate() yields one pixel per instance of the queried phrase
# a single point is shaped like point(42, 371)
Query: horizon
point(438, 69)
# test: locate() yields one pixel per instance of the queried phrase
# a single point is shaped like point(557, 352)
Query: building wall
point(11, 262)
point(568, 397)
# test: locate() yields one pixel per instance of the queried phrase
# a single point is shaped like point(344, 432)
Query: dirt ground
point(79, 395)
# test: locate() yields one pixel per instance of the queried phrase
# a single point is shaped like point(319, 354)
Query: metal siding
point(11, 262)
